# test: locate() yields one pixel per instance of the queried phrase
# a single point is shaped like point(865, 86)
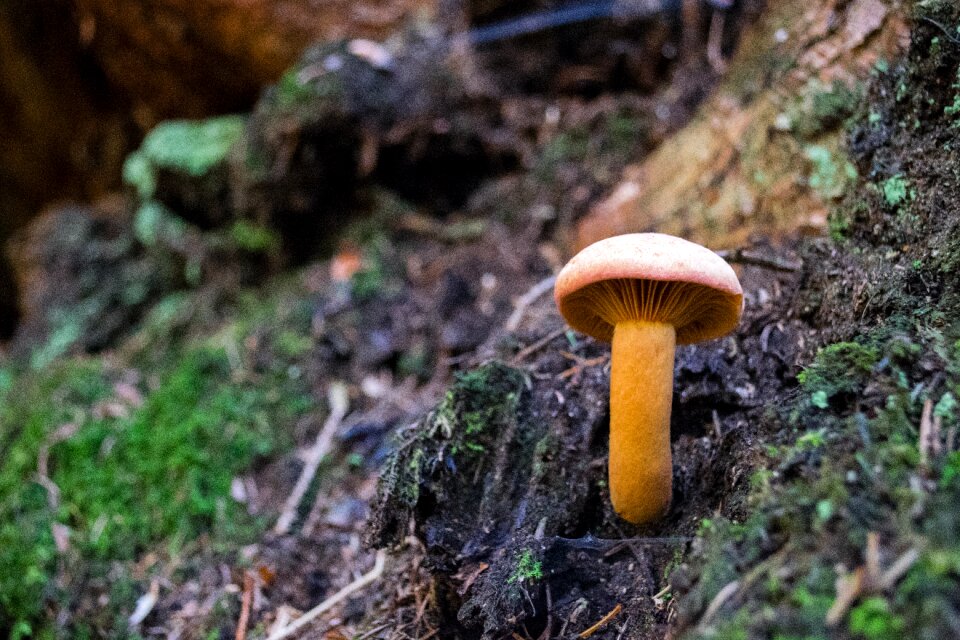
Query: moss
point(567, 146)
point(953, 110)
point(824, 109)
point(253, 237)
point(451, 441)
point(294, 90)
point(128, 480)
point(897, 190)
point(153, 224)
point(192, 147)
point(528, 568)
point(292, 344)
point(855, 474)
point(837, 368)
point(873, 620)
point(831, 171)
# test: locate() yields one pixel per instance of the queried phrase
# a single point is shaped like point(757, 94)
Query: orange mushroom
point(646, 293)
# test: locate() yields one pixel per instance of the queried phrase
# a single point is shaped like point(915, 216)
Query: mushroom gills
point(641, 395)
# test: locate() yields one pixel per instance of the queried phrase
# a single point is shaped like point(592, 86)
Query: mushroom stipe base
point(641, 394)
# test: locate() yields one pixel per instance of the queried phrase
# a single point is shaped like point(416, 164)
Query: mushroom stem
point(641, 394)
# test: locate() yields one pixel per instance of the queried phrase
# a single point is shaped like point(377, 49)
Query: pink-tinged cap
point(652, 277)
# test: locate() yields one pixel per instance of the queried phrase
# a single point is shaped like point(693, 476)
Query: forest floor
point(184, 356)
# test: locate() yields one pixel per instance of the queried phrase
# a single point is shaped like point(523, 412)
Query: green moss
point(831, 172)
point(567, 146)
point(953, 110)
point(837, 368)
point(528, 569)
point(158, 474)
point(192, 147)
point(153, 223)
point(873, 620)
point(825, 109)
point(452, 439)
point(897, 190)
point(292, 344)
point(855, 472)
point(253, 237)
point(293, 90)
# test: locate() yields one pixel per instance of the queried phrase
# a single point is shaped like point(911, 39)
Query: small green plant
point(528, 569)
point(810, 441)
point(837, 368)
point(294, 90)
point(897, 191)
point(953, 110)
point(566, 146)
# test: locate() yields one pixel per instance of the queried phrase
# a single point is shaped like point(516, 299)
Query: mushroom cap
point(649, 277)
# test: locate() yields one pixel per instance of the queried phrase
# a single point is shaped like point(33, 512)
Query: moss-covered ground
point(111, 461)
point(853, 520)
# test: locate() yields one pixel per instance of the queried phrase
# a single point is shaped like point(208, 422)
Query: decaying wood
point(740, 165)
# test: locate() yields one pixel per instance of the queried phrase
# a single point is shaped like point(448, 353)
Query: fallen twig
point(868, 578)
point(946, 31)
point(745, 256)
point(63, 433)
point(245, 603)
point(582, 363)
point(145, 604)
point(524, 301)
point(899, 568)
point(358, 584)
point(930, 426)
point(719, 600)
point(659, 598)
point(536, 346)
point(715, 42)
point(339, 403)
point(601, 623)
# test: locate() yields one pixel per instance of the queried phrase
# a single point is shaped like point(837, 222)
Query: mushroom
point(646, 293)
